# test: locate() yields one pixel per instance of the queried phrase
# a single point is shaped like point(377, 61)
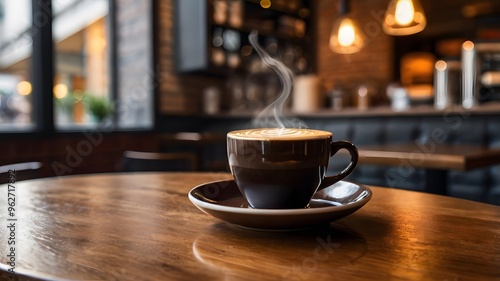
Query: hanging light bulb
point(404, 17)
point(404, 12)
point(346, 37)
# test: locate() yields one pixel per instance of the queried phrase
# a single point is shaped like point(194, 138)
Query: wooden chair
point(21, 171)
point(209, 148)
point(136, 161)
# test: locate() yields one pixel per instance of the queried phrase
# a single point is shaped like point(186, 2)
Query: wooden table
point(437, 159)
point(143, 227)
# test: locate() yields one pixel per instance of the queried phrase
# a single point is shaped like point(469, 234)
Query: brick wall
point(179, 94)
point(372, 64)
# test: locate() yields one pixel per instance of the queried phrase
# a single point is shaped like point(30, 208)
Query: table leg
point(436, 181)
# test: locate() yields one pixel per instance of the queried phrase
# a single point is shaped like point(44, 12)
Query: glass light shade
point(404, 17)
point(346, 37)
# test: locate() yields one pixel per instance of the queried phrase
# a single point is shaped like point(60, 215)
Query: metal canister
point(446, 83)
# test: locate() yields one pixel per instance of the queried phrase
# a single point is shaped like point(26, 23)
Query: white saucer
point(223, 200)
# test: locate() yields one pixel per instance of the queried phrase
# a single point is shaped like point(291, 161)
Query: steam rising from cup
point(272, 116)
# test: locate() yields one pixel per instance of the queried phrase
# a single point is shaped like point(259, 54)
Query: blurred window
point(81, 31)
point(96, 78)
point(137, 77)
point(16, 47)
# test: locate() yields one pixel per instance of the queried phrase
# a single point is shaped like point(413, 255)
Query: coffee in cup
point(282, 168)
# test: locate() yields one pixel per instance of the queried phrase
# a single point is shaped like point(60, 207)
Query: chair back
point(136, 161)
point(20, 171)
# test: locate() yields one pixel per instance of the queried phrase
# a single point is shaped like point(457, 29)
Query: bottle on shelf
point(289, 55)
point(299, 28)
point(219, 11)
point(271, 46)
point(255, 84)
point(235, 12)
point(217, 54)
point(301, 62)
point(232, 43)
point(237, 101)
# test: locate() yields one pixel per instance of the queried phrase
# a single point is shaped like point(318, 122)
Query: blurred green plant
point(99, 106)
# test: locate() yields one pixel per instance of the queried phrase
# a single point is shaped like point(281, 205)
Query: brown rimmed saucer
point(223, 200)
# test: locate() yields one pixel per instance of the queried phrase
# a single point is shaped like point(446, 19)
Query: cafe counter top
point(492, 108)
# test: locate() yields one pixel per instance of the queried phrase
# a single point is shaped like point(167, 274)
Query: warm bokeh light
point(246, 50)
point(265, 4)
point(404, 17)
point(24, 88)
point(60, 91)
point(468, 45)
point(404, 12)
point(346, 37)
point(441, 65)
point(346, 33)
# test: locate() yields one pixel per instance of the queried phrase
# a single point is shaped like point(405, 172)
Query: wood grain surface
point(143, 227)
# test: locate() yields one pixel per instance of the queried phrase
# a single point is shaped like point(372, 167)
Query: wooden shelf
point(492, 108)
point(423, 110)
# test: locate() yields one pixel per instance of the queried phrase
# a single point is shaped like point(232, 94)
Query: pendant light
point(404, 17)
point(346, 37)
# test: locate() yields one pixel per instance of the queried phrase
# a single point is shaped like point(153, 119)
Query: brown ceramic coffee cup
point(283, 168)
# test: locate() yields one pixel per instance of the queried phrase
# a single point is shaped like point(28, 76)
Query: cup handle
point(353, 151)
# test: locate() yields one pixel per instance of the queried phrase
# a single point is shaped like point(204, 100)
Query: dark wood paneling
point(76, 153)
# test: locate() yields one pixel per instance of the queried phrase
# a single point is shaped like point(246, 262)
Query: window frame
point(43, 72)
point(42, 58)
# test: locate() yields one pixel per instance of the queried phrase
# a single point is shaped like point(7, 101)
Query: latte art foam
point(279, 134)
